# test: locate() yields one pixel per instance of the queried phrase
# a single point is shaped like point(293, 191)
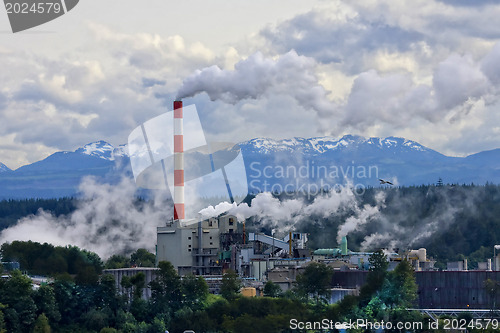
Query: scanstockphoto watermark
point(328, 324)
point(309, 178)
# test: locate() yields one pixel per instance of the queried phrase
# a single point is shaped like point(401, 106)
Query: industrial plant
point(210, 247)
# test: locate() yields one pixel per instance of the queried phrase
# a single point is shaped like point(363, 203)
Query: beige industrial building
point(193, 247)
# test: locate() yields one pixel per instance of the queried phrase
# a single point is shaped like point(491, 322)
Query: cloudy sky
point(425, 70)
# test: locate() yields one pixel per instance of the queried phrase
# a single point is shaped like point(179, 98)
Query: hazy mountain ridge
point(405, 162)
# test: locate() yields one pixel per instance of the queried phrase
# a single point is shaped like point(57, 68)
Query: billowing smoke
point(258, 76)
point(404, 224)
point(382, 218)
point(285, 215)
point(378, 102)
point(361, 217)
point(108, 220)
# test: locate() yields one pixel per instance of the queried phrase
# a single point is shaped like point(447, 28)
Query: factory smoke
point(285, 215)
point(258, 76)
point(108, 220)
point(382, 102)
point(390, 218)
point(407, 222)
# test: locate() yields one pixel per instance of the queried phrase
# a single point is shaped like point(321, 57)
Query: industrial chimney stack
point(178, 162)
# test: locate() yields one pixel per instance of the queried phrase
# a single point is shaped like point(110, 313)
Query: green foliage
point(16, 295)
point(46, 259)
point(138, 282)
point(108, 296)
point(3, 327)
point(492, 287)
point(272, 289)
point(41, 324)
point(195, 291)
point(231, 285)
point(117, 261)
point(376, 276)
point(315, 281)
point(142, 258)
point(95, 319)
point(400, 288)
point(108, 330)
point(139, 309)
point(12, 210)
point(166, 291)
point(45, 301)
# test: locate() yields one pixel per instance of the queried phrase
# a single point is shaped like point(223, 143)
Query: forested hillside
point(12, 210)
point(451, 221)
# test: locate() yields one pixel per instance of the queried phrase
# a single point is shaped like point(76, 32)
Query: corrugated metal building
point(438, 289)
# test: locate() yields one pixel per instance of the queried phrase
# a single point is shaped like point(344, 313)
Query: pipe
point(200, 248)
point(179, 213)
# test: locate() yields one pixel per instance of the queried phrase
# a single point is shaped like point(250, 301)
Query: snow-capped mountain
point(321, 145)
point(103, 150)
point(271, 165)
point(325, 161)
point(61, 173)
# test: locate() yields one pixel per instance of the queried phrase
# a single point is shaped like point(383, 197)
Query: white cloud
point(370, 68)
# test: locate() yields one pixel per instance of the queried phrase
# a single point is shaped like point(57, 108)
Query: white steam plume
point(108, 221)
point(257, 76)
point(393, 231)
point(361, 216)
point(282, 215)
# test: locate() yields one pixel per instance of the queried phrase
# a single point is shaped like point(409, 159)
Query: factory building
point(195, 248)
point(212, 246)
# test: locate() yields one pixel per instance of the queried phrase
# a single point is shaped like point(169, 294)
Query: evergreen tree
point(46, 304)
point(195, 291)
point(315, 281)
point(271, 289)
point(376, 276)
point(400, 287)
point(142, 258)
point(16, 294)
point(166, 293)
point(231, 285)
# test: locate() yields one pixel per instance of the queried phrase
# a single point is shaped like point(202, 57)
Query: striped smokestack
point(178, 162)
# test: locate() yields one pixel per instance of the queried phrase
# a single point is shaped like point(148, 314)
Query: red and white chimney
point(178, 162)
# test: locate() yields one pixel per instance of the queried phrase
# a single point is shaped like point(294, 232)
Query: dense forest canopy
point(451, 221)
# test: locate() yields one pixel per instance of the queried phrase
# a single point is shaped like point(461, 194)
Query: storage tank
point(249, 292)
point(343, 246)
point(422, 254)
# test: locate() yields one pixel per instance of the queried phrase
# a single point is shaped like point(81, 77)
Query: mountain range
point(272, 165)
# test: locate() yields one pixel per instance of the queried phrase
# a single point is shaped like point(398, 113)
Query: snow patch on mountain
point(101, 149)
point(320, 145)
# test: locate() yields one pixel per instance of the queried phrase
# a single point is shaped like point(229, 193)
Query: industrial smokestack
point(178, 162)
